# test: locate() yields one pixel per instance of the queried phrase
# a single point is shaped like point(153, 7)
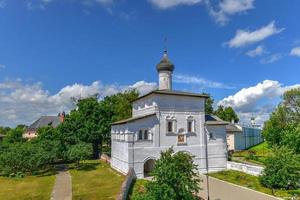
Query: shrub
point(174, 177)
point(23, 158)
point(80, 151)
point(282, 170)
point(251, 155)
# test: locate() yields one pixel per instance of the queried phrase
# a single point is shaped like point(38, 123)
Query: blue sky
point(51, 50)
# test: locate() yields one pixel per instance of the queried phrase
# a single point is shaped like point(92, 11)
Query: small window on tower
point(170, 126)
point(146, 135)
point(140, 135)
point(190, 126)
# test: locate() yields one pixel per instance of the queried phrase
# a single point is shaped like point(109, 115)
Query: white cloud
point(2, 66)
point(187, 79)
point(295, 52)
point(258, 100)
point(24, 103)
point(165, 4)
point(227, 8)
point(245, 37)
point(271, 59)
point(258, 51)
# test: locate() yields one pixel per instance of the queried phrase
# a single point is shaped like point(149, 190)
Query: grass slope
point(95, 180)
point(261, 152)
point(252, 182)
point(30, 187)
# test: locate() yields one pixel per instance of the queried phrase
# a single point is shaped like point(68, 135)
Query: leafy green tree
point(291, 137)
point(274, 127)
point(80, 151)
point(282, 170)
point(114, 108)
point(91, 121)
point(4, 130)
point(285, 116)
point(291, 101)
point(24, 157)
point(209, 104)
point(14, 135)
point(84, 124)
point(226, 114)
point(174, 177)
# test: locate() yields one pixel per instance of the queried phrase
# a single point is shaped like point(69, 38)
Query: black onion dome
point(165, 64)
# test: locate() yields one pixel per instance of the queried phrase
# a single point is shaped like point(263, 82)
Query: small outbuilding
point(241, 137)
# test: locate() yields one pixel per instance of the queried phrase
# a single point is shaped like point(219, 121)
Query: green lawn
point(260, 151)
point(95, 180)
point(251, 182)
point(28, 188)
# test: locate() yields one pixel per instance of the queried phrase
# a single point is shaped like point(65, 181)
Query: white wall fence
point(246, 168)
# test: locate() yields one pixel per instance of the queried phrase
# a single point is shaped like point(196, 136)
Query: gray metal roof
point(165, 64)
point(44, 121)
point(173, 92)
point(233, 128)
point(132, 119)
point(214, 120)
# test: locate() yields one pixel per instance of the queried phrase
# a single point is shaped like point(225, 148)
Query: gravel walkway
point(63, 185)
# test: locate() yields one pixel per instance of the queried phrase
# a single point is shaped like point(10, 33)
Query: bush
point(282, 170)
point(80, 151)
point(174, 177)
point(251, 155)
point(23, 158)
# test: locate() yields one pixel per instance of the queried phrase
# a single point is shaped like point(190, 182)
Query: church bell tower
point(165, 70)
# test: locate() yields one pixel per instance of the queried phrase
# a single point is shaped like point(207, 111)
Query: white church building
point(167, 118)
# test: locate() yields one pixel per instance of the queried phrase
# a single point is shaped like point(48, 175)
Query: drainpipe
point(159, 126)
point(133, 137)
point(206, 159)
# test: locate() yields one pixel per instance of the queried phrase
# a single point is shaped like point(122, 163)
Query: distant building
point(167, 118)
point(241, 137)
point(44, 121)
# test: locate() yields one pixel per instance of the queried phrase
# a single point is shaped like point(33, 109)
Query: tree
point(174, 177)
point(84, 124)
point(226, 114)
point(291, 101)
point(4, 130)
point(24, 157)
point(291, 137)
point(282, 169)
point(14, 135)
point(274, 127)
point(78, 152)
point(114, 108)
point(209, 104)
point(91, 121)
point(285, 116)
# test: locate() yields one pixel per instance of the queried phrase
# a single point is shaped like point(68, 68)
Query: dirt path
point(62, 189)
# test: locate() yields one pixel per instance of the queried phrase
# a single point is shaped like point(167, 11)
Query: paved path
point(221, 190)
point(63, 185)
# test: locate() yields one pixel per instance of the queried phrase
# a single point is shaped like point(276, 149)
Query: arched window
point(211, 136)
point(191, 125)
point(171, 124)
point(146, 135)
point(140, 135)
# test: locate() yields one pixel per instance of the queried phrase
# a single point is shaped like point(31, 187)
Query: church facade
point(166, 118)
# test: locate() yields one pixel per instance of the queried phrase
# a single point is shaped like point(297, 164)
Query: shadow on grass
point(84, 166)
point(130, 191)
